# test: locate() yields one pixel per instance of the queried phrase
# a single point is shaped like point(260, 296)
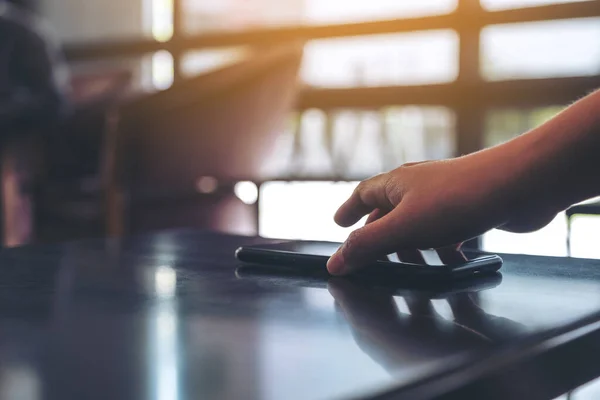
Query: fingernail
point(335, 264)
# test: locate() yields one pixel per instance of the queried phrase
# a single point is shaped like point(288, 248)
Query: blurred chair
point(586, 208)
point(171, 159)
point(73, 149)
point(71, 155)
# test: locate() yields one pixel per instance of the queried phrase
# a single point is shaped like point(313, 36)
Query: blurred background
point(260, 116)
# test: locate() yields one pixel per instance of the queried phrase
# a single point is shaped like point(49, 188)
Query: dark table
point(168, 317)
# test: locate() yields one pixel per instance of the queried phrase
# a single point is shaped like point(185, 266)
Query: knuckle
point(393, 190)
point(361, 186)
point(352, 244)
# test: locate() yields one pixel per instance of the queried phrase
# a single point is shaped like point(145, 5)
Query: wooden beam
point(177, 34)
point(582, 9)
point(514, 93)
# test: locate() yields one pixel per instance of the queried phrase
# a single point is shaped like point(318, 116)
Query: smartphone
point(429, 288)
point(311, 257)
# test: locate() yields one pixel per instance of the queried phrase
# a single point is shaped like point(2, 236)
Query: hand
point(434, 204)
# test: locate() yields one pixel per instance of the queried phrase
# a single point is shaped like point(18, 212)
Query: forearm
point(558, 163)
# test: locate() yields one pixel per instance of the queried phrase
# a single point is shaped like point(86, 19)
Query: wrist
point(555, 165)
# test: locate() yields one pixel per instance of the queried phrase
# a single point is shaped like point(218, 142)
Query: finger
point(451, 255)
point(375, 215)
point(368, 243)
point(368, 196)
point(411, 256)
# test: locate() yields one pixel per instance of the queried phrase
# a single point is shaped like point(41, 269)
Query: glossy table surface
point(172, 316)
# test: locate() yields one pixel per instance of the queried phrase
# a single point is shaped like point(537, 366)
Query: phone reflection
point(394, 338)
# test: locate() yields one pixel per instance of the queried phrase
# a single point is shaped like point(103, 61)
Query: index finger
point(368, 196)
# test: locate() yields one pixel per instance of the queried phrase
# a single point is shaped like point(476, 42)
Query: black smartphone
point(311, 257)
point(429, 288)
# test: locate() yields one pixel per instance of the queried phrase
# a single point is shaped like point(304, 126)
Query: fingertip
point(343, 218)
point(336, 265)
point(337, 218)
point(351, 211)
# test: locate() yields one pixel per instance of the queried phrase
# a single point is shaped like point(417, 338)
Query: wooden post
point(178, 33)
point(470, 118)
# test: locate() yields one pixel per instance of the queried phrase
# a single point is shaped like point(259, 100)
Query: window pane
point(162, 70)
point(332, 11)
point(314, 204)
point(548, 241)
point(541, 49)
point(551, 241)
point(203, 61)
point(351, 144)
point(210, 15)
point(417, 134)
point(505, 4)
point(400, 59)
point(503, 125)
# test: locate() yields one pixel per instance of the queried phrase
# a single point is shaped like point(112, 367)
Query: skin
point(518, 186)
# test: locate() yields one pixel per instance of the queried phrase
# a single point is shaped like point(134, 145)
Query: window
point(203, 61)
point(362, 143)
point(493, 5)
point(339, 11)
point(503, 125)
point(210, 15)
point(234, 15)
point(355, 144)
point(162, 70)
point(313, 205)
point(541, 49)
point(400, 59)
point(420, 133)
point(161, 19)
point(549, 241)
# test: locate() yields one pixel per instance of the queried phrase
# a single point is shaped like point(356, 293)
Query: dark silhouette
point(34, 79)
